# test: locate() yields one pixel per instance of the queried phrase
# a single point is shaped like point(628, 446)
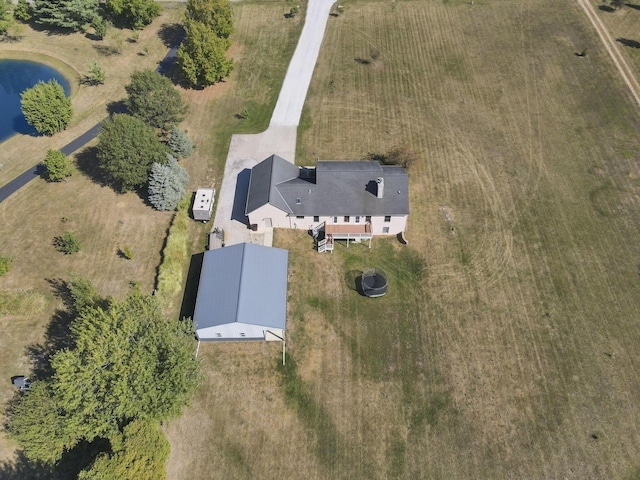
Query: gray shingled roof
point(264, 178)
point(339, 188)
point(243, 283)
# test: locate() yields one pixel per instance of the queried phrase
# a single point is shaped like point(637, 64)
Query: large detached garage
point(242, 294)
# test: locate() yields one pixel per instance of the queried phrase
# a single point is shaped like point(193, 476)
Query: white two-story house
point(346, 199)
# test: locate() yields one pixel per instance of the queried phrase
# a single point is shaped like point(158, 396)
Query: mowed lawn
point(507, 344)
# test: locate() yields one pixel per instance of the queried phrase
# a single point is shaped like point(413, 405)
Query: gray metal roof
point(339, 188)
point(244, 284)
point(264, 178)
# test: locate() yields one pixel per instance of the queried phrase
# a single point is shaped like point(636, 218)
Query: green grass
point(22, 302)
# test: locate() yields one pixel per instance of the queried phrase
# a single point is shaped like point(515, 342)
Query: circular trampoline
point(374, 282)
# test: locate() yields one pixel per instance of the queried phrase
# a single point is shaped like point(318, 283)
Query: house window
point(385, 229)
point(346, 219)
point(335, 219)
point(242, 334)
point(218, 334)
point(316, 218)
point(387, 218)
point(367, 219)
point(298, 201)
point(300, 217)
point(357, 218)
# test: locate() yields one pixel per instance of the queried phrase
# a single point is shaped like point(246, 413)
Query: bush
point(134, 13)
point(179, 143)
point(95, 75)
point(167, 184)
point(58, 165)
point(5, 265)
point(46, 107)
point(127, 253)
point(67, 243)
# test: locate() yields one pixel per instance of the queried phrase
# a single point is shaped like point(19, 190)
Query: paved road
point(246, 151)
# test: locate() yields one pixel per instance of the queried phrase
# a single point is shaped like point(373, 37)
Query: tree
point(179, 143)
point(100, 27)
point(46, 107)
point(58, 165)
point(22, 11)
point(69, 14)
point(202, 55)
point(154, 100)
point(216, 14)
point(127, 363)
point(6, 16)
point(126, 150)
point(67, 243)
point(141, 451)
point(134, 13)
point(167, 184)
point(95, 75)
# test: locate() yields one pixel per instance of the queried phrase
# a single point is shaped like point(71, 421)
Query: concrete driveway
point(246, 151)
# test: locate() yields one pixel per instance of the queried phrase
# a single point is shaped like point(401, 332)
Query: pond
point(15, 77)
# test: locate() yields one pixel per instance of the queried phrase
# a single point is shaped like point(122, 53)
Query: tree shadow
point(117, 106)
point(88, 164)
point(170, 33)
point(362, 61)
point(188, 306)
point(21, 468)
point(606, 8)
point(106, 50)
point(635, 7)
point(628, 43)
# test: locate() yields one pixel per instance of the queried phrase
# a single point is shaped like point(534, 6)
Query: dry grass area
point(623, 25)
point(506, 347)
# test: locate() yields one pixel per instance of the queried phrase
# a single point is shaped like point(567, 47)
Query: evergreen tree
point(23, 11)
point(153, 99)
point(69, 14)
point(58, 165)
point(179, 143)
point(202, 55)
point(126, 150)
point(6, 16)
point(167, 184)
point(216, 14)
point(46, 107)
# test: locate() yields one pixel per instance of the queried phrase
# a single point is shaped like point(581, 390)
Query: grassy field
point(103, 220)
point(506, 347)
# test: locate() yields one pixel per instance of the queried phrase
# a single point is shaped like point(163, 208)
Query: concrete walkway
point(246, 151)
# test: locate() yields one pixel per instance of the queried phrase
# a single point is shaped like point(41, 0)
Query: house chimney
point(380, 189)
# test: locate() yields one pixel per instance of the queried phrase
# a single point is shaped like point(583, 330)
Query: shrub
point(46, 107)
point(5, 265)
point(96, 75)
point(179, 143)
point(67, 243)
point(58, 165)
point(100, 27)
point(22, 11)
point(127, 253)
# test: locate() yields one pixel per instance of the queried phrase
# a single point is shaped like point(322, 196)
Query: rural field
point(104, 220)
point(506, 346)
point(623, 26)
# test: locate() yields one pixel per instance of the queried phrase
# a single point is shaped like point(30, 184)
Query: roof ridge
point(242, 267)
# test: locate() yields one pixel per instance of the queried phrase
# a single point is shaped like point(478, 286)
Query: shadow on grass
point(191, 288)
point(635, 7)
point(628, 43)
point(353, 280)
point(87, 162)
point(606, 8)
point(21, 468)
point(170, 33)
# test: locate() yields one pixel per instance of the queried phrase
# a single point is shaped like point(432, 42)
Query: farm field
point(103, 220)
point(506, 347)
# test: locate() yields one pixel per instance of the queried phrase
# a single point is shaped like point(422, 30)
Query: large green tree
point(140, 452)
point(126, 150)
point(202, 55)
point(134, 13)
point(46, 107)
point(70, 14)
point(153, 99)
point(216, 14)
point(167, 184)
point(6, 16)
point(128, 362)
point(58, 165)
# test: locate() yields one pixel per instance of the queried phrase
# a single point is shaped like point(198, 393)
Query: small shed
point(242, 294)
point(203, 204)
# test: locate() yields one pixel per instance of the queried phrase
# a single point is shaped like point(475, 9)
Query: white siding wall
point(279, 219)
point(396, 225)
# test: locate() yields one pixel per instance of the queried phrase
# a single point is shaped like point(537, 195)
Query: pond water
point(15, 77)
